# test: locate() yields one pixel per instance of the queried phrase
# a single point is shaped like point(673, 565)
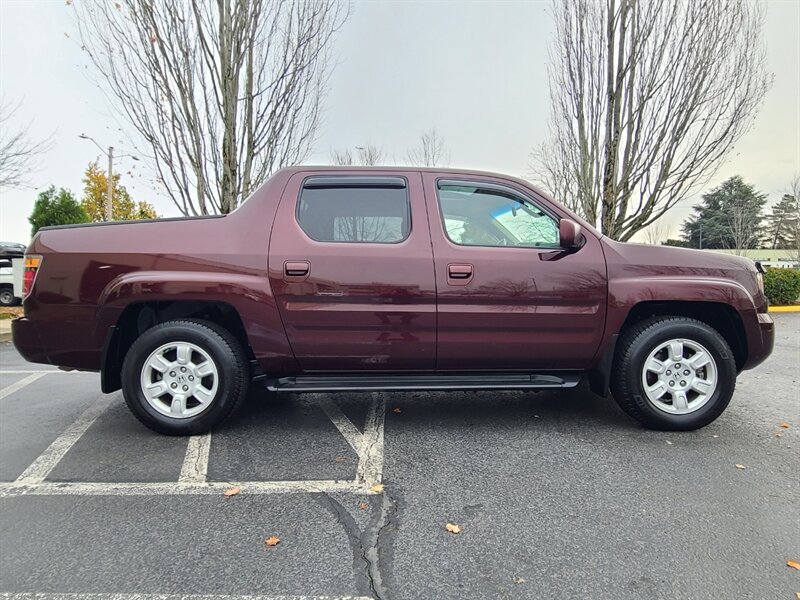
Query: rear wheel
point(673, 373)
point(184, 377)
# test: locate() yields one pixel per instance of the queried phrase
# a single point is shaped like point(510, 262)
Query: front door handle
point(459, 274)
point(296, 270)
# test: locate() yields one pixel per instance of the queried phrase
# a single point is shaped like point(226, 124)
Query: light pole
point(110, 192)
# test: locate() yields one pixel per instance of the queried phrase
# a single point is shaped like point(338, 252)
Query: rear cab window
point(367, 210)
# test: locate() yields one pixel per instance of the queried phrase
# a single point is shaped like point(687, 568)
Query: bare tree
point(431, 151)
point(743, 230)
point(794, 220)
point(648, 99)
point(341, 157)
point(369, 156)
point(18, 153)
point(220, 94)
point(656, 232)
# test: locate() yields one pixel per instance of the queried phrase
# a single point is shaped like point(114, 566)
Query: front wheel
point(673, 373)
point(184, 377)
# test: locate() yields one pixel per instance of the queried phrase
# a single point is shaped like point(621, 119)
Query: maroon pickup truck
point(343, 279)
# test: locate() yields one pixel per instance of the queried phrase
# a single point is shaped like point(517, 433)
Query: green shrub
point(782, 286)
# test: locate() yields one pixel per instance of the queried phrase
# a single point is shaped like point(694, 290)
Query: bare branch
point(431, 151)
point(18, 153)
point(220, 94)
point(648, 99)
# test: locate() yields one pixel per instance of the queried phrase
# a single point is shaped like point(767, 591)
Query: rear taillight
point(32, 264)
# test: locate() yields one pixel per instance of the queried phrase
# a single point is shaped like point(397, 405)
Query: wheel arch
point(138, 317)
point(722, 317)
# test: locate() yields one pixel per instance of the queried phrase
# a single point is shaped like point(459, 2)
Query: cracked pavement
point(559, 496)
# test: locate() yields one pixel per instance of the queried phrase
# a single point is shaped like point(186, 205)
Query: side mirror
point(569, 234)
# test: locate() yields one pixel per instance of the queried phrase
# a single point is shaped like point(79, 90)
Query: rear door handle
point(296, 270)
point(459, 274)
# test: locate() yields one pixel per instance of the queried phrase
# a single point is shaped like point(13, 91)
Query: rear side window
point(362, 210)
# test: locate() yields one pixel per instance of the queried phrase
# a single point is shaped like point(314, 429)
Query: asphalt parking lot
point(558, 495)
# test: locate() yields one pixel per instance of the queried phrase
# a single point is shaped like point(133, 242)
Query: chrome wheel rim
point(179, 380)
point(679, 376)
point(6, 298)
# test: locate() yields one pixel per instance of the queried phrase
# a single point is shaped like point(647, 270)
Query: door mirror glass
point(569, 233)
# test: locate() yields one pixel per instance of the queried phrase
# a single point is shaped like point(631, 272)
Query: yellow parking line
point(785, 309)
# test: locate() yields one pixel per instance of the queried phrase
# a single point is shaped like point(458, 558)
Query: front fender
point(624, 294)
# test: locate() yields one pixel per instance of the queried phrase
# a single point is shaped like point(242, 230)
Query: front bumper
point(761, 341)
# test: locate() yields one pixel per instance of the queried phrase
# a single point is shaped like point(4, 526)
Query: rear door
point(351, 267)
point(509, 297)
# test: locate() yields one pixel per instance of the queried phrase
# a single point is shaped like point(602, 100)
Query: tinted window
point(487, 217)
point(355, 214)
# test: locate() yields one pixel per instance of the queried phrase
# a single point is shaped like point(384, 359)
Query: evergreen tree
point(56, 207)
point(728, 217)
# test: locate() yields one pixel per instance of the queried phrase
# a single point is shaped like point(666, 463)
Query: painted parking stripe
point(17, 386)
point(370, 458)
point(345, 426)
point(42, 466)
point(75, 596)
point(195, 463)
point(45, 371)
point(54, 488)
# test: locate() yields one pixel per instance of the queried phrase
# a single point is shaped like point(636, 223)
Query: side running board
point(350, 383)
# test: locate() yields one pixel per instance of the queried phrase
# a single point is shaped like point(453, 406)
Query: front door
point(351, 268)
point(509, 298)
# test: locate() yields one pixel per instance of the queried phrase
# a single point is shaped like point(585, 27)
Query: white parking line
point(54, 488)
point(195, 463)
point(345, 426)
point(76, 596)
point(370, 463)
point(45, 371)
point(192, 480)
point(41, 467)
point(15, 387)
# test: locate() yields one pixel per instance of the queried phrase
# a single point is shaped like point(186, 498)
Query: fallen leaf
point(794, 564)
point(668, 442)
point(397, 410)
point(740, 467)
point(714, 436)
point(339, 459)
point(232, 491)
point(798, 595)
point(377, 488)
point(272, 540)
point(784, 425)
point(363, 505)
point(517, 579)
point(778, 434)
point(453, 528)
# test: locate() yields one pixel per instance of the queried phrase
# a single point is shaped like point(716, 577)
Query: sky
point(477, 71)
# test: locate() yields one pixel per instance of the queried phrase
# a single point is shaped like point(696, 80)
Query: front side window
point(364, 213)
point(475, 216)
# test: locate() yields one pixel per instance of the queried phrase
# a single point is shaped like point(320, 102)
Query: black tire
point(7, 297)
point(634, 347)
point(228, 356)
